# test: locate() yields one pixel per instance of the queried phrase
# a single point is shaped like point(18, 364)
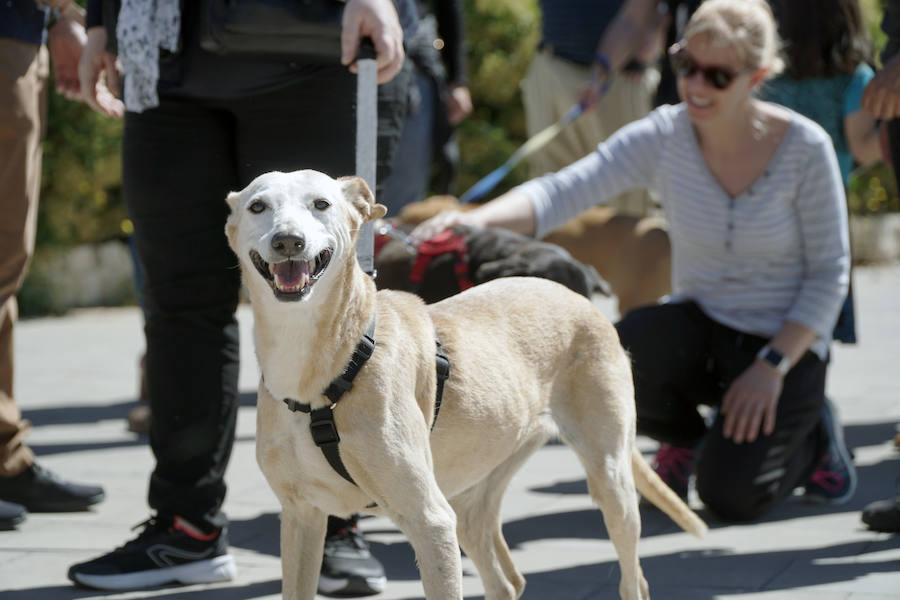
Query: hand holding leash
point(378, 20)
point(99, 76)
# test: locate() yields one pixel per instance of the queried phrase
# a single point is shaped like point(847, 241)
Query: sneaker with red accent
point(168, 550)
point(834, 480)
point(676, 466)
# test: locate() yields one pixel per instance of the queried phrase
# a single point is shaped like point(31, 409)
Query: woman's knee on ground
point(732, 490)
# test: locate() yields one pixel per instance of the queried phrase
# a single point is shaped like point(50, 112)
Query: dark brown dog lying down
point(466, 256)
point(630, 253)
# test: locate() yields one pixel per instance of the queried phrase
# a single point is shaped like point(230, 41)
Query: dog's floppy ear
point(360, 196)
point(231, 224)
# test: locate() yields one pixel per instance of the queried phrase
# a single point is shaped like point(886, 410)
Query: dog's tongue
point(291, 275)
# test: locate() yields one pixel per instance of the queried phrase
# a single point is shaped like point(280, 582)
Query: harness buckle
point(324, 431)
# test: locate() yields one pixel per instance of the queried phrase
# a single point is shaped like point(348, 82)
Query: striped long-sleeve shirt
point(779, 251)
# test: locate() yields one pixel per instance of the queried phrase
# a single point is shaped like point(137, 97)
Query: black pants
point(180, 161)
point(681, 359)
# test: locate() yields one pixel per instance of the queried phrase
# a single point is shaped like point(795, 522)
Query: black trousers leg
point(178, 164)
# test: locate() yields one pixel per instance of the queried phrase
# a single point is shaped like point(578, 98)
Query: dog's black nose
point(288, 244)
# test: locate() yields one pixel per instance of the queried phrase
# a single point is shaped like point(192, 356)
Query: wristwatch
point(775, 359)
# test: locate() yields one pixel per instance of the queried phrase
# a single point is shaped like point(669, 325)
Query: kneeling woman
point(760, 263)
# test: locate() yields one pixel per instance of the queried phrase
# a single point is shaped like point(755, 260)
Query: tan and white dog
point(517, 378)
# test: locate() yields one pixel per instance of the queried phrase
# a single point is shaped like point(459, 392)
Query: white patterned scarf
point(144, 27)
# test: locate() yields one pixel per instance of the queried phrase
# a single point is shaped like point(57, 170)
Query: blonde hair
point(748, 26)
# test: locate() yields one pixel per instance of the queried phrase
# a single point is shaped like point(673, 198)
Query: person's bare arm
point(628, 31)
point(98, 72)
point(511, 211)
point(861, 131)
point(881, 98)
point(66, 40)
point(632, 30)
point(68, 9)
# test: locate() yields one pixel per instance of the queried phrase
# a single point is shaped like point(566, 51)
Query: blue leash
point(537, 141)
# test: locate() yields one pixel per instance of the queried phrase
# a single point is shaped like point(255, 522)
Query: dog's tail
point(655, 490)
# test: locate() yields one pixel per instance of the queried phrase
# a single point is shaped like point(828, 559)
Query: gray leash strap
point(366, 143)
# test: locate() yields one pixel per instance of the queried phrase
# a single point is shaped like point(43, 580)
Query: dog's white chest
point(295, 467)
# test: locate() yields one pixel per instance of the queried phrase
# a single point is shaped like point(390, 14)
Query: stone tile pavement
point(77, 380)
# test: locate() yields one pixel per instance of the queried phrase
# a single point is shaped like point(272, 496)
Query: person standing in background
point(439, 100)
point(601, 54)
point(24, 40)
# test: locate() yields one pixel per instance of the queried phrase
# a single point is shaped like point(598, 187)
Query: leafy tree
point(502, 36)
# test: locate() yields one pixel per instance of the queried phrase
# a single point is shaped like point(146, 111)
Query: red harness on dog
point(446, 241)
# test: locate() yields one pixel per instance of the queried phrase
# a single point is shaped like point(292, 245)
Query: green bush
point(502, 36)
point(81, 200)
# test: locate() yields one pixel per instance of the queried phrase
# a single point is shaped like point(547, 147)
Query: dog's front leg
point(302, 537)
point(431, 529)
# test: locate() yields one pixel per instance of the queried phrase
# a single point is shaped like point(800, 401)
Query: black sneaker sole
point(213, 570)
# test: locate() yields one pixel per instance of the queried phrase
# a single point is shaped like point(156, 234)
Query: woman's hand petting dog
point(444, 220)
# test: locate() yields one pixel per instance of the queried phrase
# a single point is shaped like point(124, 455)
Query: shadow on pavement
point(719, 571)
point(77, 414)
point(218, 592)
point(259, 534)
point(70, 414)
point(674, 576)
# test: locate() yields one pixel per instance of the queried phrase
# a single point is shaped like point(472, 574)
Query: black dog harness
point(321, 420)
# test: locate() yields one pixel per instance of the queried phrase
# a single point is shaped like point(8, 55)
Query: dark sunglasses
point(684, 65)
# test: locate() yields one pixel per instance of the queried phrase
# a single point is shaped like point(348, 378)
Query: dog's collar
point(344, 382)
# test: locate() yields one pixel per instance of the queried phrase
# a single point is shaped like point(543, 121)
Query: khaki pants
point(23, 83)
point(552, 86)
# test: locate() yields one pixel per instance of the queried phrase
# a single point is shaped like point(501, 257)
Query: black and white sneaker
point(167, 551)
point(348, 567)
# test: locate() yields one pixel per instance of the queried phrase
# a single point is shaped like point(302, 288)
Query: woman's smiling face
point(705, 66)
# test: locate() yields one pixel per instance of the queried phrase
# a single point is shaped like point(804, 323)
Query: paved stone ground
point(77, 378)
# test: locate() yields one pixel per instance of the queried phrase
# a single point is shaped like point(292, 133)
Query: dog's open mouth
point(291, 279)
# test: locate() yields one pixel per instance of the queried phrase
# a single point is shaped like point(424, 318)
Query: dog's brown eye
point(321, 204)
point(257, 206)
